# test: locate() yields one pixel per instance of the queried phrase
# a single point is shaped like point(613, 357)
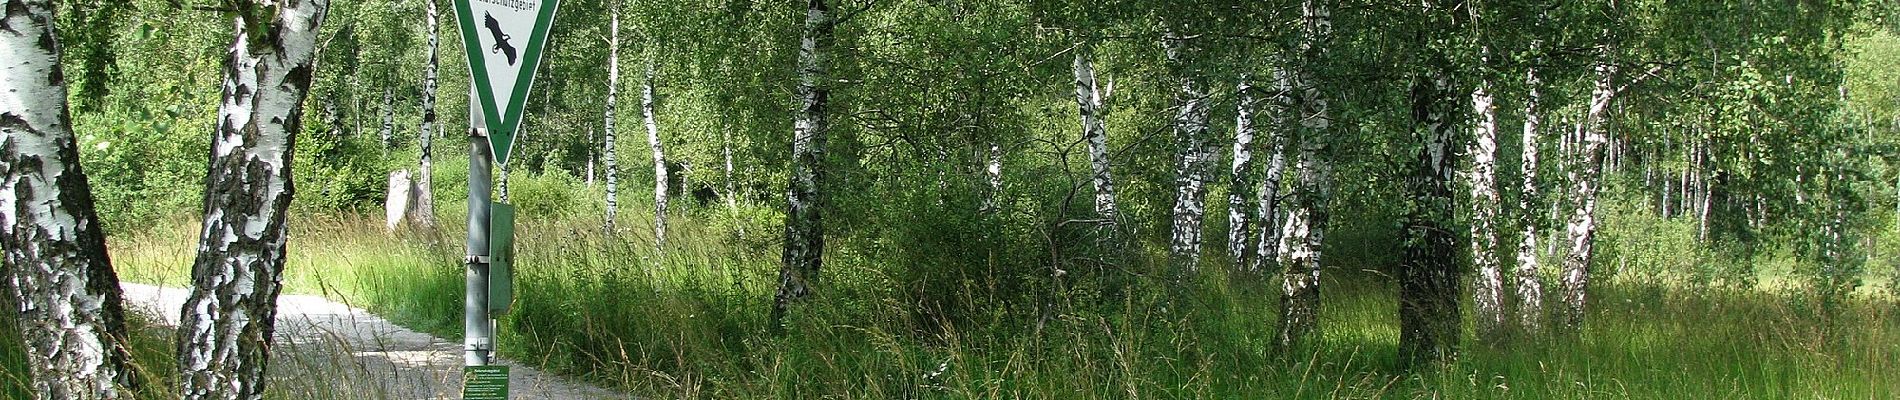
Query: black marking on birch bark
point(14, 9)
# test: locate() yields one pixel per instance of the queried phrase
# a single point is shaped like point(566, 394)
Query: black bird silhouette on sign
point(501, 39)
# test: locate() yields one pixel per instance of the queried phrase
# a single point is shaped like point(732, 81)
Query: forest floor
point(340, 351)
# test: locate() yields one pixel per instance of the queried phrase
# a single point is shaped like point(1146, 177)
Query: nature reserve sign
point(503, 39)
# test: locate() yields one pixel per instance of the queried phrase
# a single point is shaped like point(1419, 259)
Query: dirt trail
point(326, 349)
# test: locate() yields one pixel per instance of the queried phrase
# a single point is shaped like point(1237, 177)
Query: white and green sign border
point(502, 123)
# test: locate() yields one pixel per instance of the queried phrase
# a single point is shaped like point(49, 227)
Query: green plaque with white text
point(487, 382)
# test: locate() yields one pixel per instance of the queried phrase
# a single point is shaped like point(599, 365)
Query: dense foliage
point(1749, 145)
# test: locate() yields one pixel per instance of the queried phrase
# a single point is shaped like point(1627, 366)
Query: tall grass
point(691, 323)
point(933, 311)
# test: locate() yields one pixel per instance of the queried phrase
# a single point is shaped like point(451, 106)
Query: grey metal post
point(478, 330)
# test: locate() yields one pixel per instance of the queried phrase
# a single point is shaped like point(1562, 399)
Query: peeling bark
point(224, 338)
point(70, 316)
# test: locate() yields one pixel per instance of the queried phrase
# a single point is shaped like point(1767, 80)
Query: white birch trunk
point(1285, 109)
point(1088, 98)
point(609, 156)
point(1581, 229)
point(725, 150)
point(1242, 187)
point(388, 132)
point(1191, 160)
point(70, 313)
point(659, 160)
point(1487, 295)
point(804, 229)
point(993, 173)
point(224, 339)
point(423, 217)
point(1305, 228)
point(1530, 286)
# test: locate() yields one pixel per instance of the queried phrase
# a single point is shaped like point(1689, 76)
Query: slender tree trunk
point(423, 216)
point(1704, 192)
point(388, 133)
point(1487, 295)
point(1530, 285)
point(725, 149)
point(1191, 160)
point(993, 173)
point(660, 173)
point(1581, 229)
point(610, 159)
point(1285, 109)
point(1089, 99)
point(71, 316)
point(593, 157)
point(224, 338)
point(804, 229)
point(1243, 186)
point(1305, 227)
point(1429, 317)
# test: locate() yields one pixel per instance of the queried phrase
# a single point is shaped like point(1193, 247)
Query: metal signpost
point(504, 40)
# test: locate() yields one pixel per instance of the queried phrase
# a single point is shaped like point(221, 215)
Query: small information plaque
point(487, 382)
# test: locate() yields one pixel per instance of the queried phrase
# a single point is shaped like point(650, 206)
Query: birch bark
point(1088, 98)
point(1243, 186)
point(1581, 229)
point(659, 160)
point(1192, 157)
point(1429, 317)
point(1487, 295)
point(424, 215)
point(71, 316)
point(1530, 286)
point(609, 157)
point(1305, 227)
point(804, 229)
point(224, 338)
point(1285, 109)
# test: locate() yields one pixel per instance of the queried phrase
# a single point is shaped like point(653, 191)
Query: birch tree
point(659, 159)
point(1428, 285)
point(71, 316)
point(1241, 188)
point(1580, 231)
point(609, 160)
point(424, 214)
point(1284, 108)
point(1088, 98)
point(1530, 286)
point(224, 336)
point(1487, 293)
point(804, 229)
point(1305, 227)
point(1430, 275)
point(1193, 154)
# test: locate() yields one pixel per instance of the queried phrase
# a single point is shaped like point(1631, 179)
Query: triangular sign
point(503, 39)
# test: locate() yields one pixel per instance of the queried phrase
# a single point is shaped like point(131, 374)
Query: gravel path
point(327, 349)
